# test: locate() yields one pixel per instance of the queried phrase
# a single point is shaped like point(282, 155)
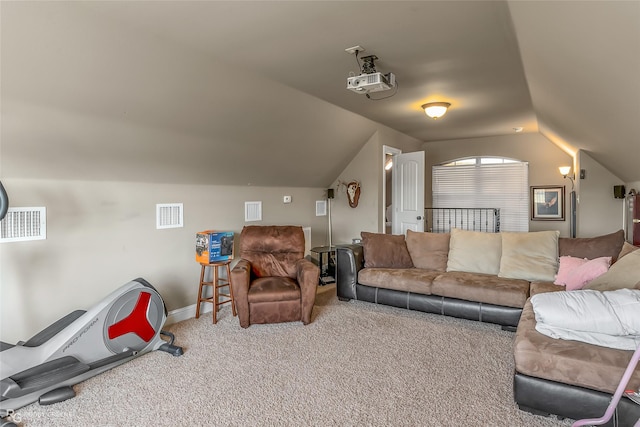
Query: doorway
point(387, 186)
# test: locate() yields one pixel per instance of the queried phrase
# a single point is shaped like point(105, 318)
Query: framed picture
point(547, 203)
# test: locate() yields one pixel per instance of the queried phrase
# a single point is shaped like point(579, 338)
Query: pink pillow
point(587, 272)
point(567, 265)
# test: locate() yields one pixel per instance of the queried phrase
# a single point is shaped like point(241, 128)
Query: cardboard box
point(214, 246)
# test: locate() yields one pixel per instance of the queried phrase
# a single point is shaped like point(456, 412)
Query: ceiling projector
point(373, 82)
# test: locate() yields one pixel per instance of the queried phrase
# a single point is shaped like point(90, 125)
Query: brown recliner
point(273, 282)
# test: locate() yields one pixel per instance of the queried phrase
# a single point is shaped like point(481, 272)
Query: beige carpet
point(357, 364)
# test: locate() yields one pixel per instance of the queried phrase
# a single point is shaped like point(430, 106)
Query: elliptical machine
point(124, 325)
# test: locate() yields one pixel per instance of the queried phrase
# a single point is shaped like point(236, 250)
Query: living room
point(110, 108)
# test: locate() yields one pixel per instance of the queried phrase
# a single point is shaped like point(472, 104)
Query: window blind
point(504, 186)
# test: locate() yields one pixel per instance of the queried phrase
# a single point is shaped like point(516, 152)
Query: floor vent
point(22, 224)
point(169, 215)
point(252, 211)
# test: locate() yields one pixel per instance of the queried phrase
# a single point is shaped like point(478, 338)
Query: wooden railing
point(442, 220)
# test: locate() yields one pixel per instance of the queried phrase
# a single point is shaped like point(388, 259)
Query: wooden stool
point(216, 283)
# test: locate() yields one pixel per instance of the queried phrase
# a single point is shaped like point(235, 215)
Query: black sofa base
point(505, 316)
point(544, 397)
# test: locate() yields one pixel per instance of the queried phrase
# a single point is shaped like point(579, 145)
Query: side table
point(216, 283)
point(321, 251)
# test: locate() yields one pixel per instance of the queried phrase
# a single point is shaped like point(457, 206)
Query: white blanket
point(609, 319)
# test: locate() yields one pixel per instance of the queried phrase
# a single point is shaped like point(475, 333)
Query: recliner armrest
point(308, 275)
point(349, 260)
point(240, 280)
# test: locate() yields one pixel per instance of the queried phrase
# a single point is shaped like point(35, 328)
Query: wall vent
point(22, 224)
point(321, 208)
point(169, 215)
point(252, 211)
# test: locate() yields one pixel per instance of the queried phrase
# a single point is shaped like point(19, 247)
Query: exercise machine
point(124, 325)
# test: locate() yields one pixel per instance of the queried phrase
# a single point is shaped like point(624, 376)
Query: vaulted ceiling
point(255, 92)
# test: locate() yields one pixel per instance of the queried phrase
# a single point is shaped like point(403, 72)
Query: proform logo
point(82, 332)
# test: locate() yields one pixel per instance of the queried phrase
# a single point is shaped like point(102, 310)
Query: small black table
point(321, 251)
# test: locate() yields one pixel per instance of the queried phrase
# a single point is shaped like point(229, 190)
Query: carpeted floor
point(357, 364)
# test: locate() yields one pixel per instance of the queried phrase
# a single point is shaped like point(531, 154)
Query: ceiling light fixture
point(435, 110)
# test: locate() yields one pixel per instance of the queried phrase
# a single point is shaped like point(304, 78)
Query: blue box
point(214, 246)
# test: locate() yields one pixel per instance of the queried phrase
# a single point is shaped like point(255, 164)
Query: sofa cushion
point(529, 256)
point(627, 248)
point(385, 251)
point(592, 247)
point(485, 288)
point(570, 362)
point(428, 250)
point(625, 273)
point(414, 280)
point(575, 273)
point(474, 252)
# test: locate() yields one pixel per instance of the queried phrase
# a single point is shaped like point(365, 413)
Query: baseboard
point(185, 313)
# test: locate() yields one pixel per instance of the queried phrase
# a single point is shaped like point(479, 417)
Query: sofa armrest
point(349, 260)
point(240, 280)
point(308, 275)
point(538, 287)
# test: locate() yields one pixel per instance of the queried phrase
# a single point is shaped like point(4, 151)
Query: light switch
point(286, 199)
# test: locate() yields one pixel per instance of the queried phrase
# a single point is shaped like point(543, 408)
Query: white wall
point(598, 211)
point(101, 235)
point(348, 222)
point(543, 156)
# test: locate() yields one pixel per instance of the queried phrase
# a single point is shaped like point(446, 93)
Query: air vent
point(169, 215)
point(22, 224)
point(321, 208)
point(252, 211)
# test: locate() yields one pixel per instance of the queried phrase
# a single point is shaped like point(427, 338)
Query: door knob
point(636, 221)
point(419, 217)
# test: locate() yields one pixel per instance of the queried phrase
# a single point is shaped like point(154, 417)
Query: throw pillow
point(428, 250)
point(568, 264)
point(625, 273)
point(529, 256)
point(592, 247)
point(385, 251)
point(627, 248)
point(584, 273)
point(474, 252)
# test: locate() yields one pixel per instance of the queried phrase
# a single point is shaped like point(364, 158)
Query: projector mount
point(368, 67)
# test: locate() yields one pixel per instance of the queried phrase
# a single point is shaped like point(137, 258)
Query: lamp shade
point(436, 110)
point(564, 170)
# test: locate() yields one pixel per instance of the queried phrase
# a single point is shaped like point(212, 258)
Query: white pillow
point(529, 256)
point(474, 251)
point(608, 319)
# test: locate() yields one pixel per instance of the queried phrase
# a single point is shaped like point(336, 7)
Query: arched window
point(485, 182)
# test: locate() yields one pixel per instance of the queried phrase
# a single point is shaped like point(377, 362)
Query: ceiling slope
point(254, 92)
point(582, 64)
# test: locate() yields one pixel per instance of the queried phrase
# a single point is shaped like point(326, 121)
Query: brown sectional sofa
point(567, 378)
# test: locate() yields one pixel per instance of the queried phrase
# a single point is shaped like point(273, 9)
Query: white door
point(408, 192)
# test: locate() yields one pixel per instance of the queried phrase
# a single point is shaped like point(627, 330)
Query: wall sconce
point(436, 110)
point(564, 171)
